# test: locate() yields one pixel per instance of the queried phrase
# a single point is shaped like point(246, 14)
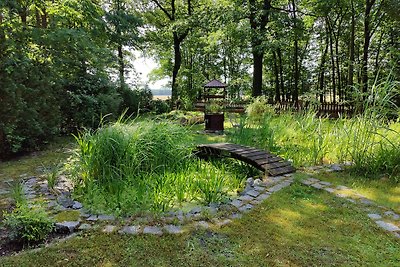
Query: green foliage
point(135, 101)
point(128, 167)
point(28, 223)
point(17, 193)
point(87, 99)
point(160, 106)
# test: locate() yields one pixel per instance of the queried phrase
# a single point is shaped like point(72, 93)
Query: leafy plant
point(17, 192)
point(28, 223)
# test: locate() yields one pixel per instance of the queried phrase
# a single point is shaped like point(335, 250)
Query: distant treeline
point(161, 91)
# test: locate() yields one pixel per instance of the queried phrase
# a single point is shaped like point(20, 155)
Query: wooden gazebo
point(214, 89)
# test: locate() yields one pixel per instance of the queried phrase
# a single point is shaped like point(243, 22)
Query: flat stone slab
point(152, 230)
point(130, 230)
point(84, 226)
point(367, 202)
point(77, 205)
point(392, 215)
point(253, 193)
point(330, 190)
point(173, 229)
point(246, 208)
point(318, 186)
point(276, 188)
point(307, 182)
point(259, 188)
point(109, 229)
point(235, 216)
point(106, 218)
point(263, 196)
point(67, 227)
point(202, 224)
point(375, 216)
point(223, 222)
point(388, 226)
point(246, 198)
point(325, 183)
point(92, 218)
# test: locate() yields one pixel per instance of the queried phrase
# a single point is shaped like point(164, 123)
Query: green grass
point(298, 226)
point(382, 191)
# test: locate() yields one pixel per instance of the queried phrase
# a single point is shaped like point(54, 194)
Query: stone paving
point(385, 218)
point(215, 215)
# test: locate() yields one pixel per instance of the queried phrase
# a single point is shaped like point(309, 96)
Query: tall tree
point(259, 15)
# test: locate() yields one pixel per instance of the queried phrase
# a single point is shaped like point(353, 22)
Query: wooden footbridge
point(263, 160)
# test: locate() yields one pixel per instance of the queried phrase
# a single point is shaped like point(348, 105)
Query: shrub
point(28, 224)
point(258, 109)
point(135, 101)
point(160, 106)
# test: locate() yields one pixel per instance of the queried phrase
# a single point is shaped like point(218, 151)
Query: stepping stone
point(4, 192)
point(66, 227)
point(246, 198)
point(173, 229)
point(196, 210)
point(77, 205)
point(275, 188)
point(392, 215)
point(330, 190)
point(253, 193)
point(235, 216)
point(343, 196)
point(367, 202)
point(92, 218)
point(202, 224)
point(318, 186)
point(106, 218)
point(109, 229)
point(336, 168)
point(313, 180)
point(375, 216)
point(259, 188)
point(388, 226)
point(307, 182)
point(84, 226)
point(152, 230)
point(246, 208)
point(223, 222)
point(130, 230)
point(325, 183)
point(263, 196)
point(342, 187)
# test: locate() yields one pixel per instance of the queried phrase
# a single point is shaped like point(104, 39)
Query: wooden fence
point(333, 110)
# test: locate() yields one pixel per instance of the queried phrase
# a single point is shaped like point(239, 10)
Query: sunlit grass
point(298, 226)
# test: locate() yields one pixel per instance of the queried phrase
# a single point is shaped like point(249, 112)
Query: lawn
point(298, 226)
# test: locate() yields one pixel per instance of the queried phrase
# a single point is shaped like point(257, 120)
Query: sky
point(144, 65)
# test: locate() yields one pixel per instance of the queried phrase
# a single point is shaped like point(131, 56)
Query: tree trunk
point(276, 72)
point(350, 75)
point(177, 66)
point(322, 73)
point(121, 67)
point(257, 72)
point(295, 91)
point(332, 61)
point(367, 39)
point(279, 52)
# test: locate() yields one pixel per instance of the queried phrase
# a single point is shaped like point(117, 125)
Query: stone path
point(214, 215)
point(385, 218)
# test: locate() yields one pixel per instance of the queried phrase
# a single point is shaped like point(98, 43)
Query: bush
point(258, 109)
point(136, 100)
point(28, 224)
point(87, 99)
point(160, 106)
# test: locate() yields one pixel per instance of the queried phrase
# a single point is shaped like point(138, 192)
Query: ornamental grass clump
point(129, 167)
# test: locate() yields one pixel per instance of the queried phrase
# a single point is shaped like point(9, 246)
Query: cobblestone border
point(177, 222)
point(385, 218)
point(203, 217)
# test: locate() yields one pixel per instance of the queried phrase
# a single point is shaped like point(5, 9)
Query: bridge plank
point(261, 159)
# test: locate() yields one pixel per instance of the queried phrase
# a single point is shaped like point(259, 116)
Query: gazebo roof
point(215, 84)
